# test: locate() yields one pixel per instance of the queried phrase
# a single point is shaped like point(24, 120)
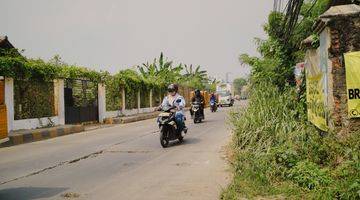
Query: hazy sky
point(117, 34)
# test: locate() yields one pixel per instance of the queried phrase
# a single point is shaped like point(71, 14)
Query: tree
point(195, 78)
point(239, 83)
point(281, 51)
point(161, 71)
point(57, 61)
point(211, 84)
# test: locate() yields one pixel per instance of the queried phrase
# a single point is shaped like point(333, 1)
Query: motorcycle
point(168, 127)
point(198, 117)
point(213, 106)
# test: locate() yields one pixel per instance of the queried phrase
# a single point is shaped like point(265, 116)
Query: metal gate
point(81, 101)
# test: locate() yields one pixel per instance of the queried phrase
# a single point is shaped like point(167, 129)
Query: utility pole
point(227, 77)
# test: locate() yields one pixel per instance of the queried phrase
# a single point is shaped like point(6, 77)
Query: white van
point(225, 98)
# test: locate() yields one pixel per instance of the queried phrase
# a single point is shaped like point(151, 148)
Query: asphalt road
point(120, 162)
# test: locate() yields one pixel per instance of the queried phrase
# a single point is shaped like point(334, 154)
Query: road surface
point(120, 162)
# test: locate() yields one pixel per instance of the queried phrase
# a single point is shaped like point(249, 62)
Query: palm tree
point(195, 78)
point(161, 71)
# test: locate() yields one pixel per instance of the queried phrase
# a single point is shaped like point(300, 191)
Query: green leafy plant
point(277, 152)
point(19, 67)
point(160, 72)
point(308, 174)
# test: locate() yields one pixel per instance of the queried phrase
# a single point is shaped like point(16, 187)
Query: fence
point(138, 100)
point(34, 104)
point(81, 101)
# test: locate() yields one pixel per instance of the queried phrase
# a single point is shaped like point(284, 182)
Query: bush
point(277, 152)
point(309, 175)
point(113, 95)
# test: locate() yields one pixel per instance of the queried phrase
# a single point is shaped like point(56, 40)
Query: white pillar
point(123, 100)
point(60, 100)
point(138, 100)
point(151, 98)
point(102, 102)
point(9, 102)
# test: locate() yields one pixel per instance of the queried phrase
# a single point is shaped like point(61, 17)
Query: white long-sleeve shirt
point(170, 101)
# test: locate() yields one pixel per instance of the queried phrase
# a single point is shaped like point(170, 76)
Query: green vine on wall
point(151, 76)
point(15, 66)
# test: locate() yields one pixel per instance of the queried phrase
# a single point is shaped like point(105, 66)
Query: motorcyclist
point(213, 97)
point(175, 99)
point(213, 102)
point(198, 98)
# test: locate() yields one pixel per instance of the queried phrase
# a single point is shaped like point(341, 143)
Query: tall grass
point(279, 154)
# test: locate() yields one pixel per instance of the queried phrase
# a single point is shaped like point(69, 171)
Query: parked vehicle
point(225, 98)
point(168, 127)
point(197, 114)
point(213, 106)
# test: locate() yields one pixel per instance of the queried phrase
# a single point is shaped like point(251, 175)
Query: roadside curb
point(28, 136)
point(130, 119)
point(134, 118)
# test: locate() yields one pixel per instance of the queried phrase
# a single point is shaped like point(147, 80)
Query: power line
point(291, 17)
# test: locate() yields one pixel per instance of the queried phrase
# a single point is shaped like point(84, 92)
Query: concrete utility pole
point(227, 76)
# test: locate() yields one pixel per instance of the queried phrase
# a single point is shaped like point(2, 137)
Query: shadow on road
point(186, 141)
point(191, 141)
point(207, 121)
point(29, 193)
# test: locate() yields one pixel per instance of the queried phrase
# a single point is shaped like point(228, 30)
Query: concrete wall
point(129, 112)
point(102, 102)
point(35, 123)
point(59, 100)
point(13, 124)
point(59, 118)
point(126, 112)
point(344, 36)
point(9, 102)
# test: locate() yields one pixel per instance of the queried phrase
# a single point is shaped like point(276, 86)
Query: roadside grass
point(277, 154)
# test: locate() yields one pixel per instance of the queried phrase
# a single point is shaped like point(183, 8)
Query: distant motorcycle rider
point(213, 102)
point(200, 99)
point(175, 99)
point(213, 98)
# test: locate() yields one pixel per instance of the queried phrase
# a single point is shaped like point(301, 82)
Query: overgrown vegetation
point(161, 72)
point(33, 99)
point(239, 83)
point(156, 76)
point(277, 153)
